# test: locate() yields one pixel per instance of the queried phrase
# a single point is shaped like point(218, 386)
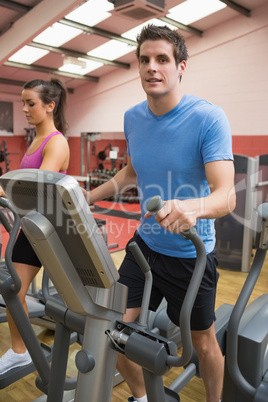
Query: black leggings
point(24, 253)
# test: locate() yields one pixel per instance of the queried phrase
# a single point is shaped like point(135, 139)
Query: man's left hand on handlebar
point(176, 216)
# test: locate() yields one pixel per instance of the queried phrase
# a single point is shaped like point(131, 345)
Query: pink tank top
point(35, 159)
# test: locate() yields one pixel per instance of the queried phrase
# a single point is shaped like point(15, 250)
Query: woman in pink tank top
point(44, 107)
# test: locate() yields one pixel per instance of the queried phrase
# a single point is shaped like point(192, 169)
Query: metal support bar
point(155, 391)
point(28, 335)
point(237, 7)
point(89, 137)
point(59, 363)
point(98, 31)
point(42, 69)
point(262, 184)
point(32, 23)
point(74, 53)
point(13, 5)
point(186, 28)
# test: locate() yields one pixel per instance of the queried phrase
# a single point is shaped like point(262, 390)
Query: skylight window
point(192, 10)
point(82, 68)
point(57, 35)
point(132, 33)
point(112, 50)
point(92, 12)
point(28, 55)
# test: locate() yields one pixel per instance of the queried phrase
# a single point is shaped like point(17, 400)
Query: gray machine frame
point(88, 138)
point(246, 362)
point(235, 233)
point(83, 272)
point(73, 252)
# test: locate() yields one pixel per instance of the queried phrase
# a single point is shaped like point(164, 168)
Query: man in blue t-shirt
point(179, 147)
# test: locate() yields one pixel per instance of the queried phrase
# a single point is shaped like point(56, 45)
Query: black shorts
point(171, 277)
point(23, 252)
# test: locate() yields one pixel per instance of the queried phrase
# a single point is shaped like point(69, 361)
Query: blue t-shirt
point(168, 154)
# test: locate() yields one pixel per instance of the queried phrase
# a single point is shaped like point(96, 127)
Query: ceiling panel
point(85, 42)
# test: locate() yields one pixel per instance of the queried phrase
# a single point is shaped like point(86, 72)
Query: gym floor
point(230, 284)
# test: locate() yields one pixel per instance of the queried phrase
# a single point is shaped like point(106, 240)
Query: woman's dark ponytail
point(53, 90)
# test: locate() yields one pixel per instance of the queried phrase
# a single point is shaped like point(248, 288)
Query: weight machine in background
point(113, 156)
point(85, 144)
point(101, 174)
point(4, 156)
point(30, 134)
point(236, 232)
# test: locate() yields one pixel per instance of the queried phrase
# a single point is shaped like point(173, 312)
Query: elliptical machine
point(41, 354)
point(60, 226)
point(245, 343)
point(87, 279)
point(246, 361)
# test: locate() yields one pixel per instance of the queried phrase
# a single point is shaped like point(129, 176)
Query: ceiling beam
point(32, 23)
point(7, 81)
point(242, 10)
point(98, 31)
point(13, 5)
point(186, 28)
point(52, 71)
point(18, 83)
point(74, 53)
